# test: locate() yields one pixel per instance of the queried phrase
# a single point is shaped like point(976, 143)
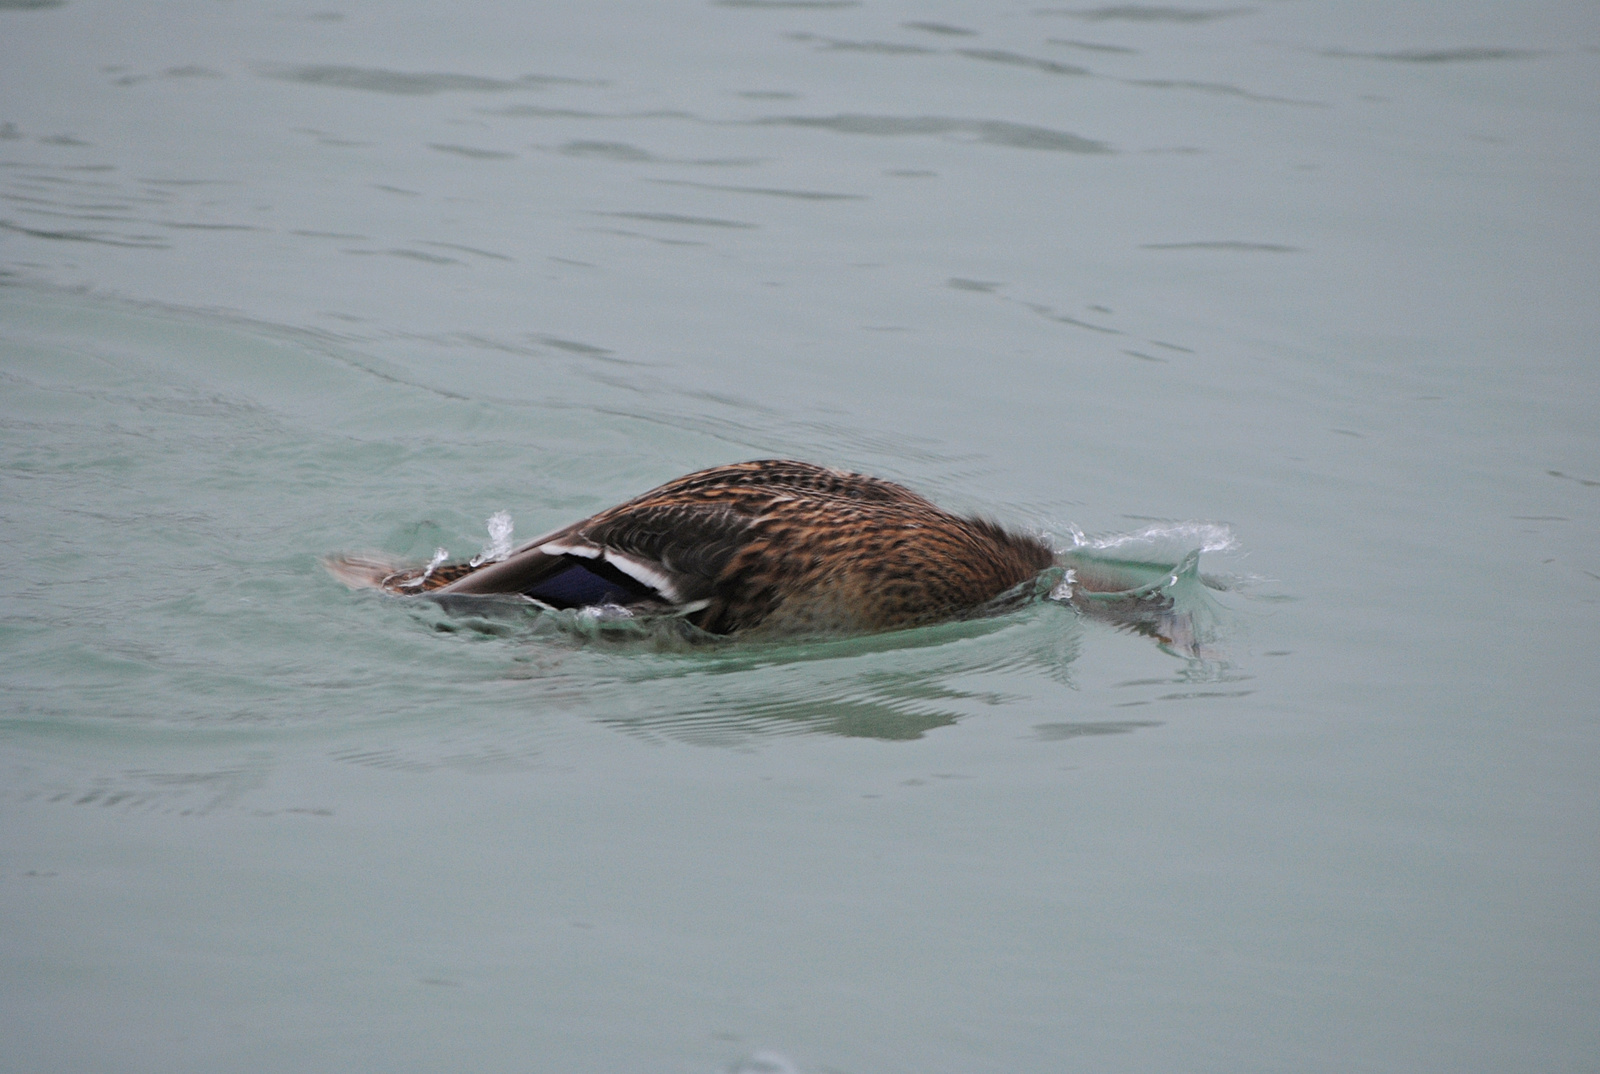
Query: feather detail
point(363, 570)
point(571, 547)
point(651, 574)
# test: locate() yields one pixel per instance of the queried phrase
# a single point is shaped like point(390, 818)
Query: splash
point(1163, 538)
point(499, 546)
point(439, 556)
point(1149, 582)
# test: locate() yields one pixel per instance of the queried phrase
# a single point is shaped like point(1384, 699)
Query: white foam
point(1063, 589)
point(439, 556)
point(1185, 536)
point(499, 546)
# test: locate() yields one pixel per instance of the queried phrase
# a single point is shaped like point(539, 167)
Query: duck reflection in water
point(777, 548)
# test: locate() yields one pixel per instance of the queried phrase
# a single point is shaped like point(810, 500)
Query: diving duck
point(773, 547)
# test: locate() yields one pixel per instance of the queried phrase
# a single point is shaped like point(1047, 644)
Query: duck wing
point(667, 552)
point(674, 540)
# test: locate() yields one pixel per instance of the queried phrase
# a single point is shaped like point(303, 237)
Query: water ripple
point(651, 679)
point(678, 218)
point(1015, 59)
point(800, 195)
point(886, 48)
point(814, 5)
point(1221, 89)
point(988, 131)
point(1444, 55)
point(1146, 13)
point(408, 83)
point(942, 28)
point(472, 152)
point(151, 242)
point(1225, 245)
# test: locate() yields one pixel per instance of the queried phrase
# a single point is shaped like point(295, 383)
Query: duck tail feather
point(362, 570)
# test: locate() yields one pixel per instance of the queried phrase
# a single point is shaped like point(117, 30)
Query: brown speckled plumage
point(768, 547)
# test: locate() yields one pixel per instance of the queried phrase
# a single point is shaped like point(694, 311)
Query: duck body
point(772, 547)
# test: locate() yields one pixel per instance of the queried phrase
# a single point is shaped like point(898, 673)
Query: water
point(1308, 288)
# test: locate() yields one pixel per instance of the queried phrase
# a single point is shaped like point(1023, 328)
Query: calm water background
point(289, 278)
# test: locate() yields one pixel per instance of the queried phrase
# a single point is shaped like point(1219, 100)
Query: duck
point(772, 547)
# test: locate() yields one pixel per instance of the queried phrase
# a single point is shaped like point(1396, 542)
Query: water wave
point(1148, 581)
point(1163, 539)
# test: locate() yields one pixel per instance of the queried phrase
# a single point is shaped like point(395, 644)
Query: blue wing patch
point(586, 583)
